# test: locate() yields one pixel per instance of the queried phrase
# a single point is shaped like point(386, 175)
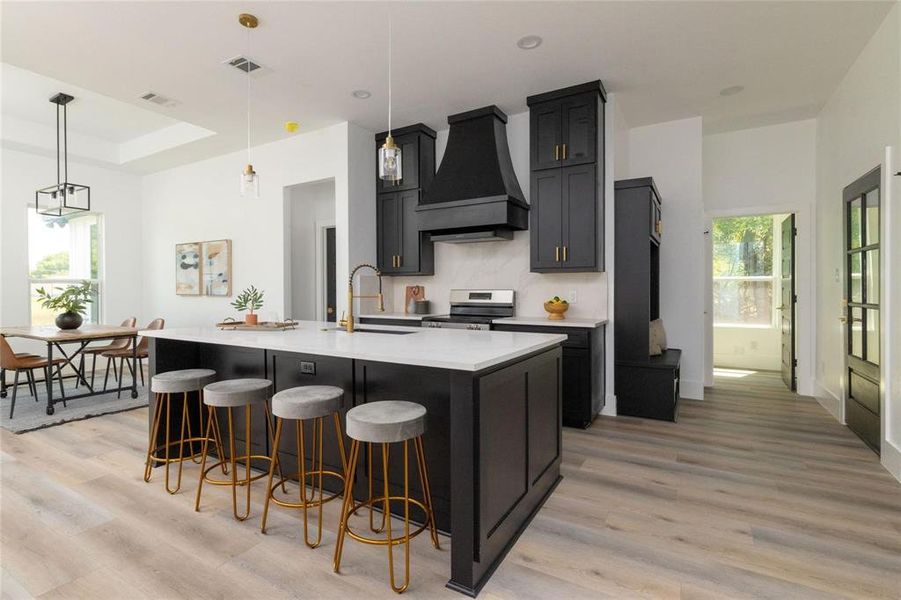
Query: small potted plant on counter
point(250, 300)
point(556, 308)
point(72, 301)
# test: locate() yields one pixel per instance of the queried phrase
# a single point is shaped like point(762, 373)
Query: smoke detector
point(159, 99)
point(243, 64)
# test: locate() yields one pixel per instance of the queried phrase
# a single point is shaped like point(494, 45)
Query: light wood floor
point(756, 492)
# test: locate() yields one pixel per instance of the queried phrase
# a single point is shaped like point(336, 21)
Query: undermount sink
point(367, 330)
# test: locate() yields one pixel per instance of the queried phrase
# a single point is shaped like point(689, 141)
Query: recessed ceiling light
point(529, 42)
point(732, 90)
point(362, 94)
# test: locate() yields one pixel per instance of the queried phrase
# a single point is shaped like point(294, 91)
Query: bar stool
point(300, 404)
point(387, 422)
point(163, 385)
point(231, 394)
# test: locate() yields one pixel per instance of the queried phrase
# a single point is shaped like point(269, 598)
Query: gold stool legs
point(230, 464)
point(152, 448)
point(349, 508)
point(316, 475)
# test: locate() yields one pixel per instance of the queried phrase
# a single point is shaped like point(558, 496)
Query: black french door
point(861, 318)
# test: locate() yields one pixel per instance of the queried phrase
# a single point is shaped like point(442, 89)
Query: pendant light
point(64, 198)
point(250, 181)
point(390, 160)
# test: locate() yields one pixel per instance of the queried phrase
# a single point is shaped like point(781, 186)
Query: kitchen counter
point(543, 321)
point(493, 400)
point(455, 349)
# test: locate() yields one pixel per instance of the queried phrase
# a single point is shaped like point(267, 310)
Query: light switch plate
point(307, 368)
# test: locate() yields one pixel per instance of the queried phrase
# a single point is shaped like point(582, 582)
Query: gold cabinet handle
point(564, 155)
point(564, 254)
point(557, 253)
point(400, 260)
point(556, 152)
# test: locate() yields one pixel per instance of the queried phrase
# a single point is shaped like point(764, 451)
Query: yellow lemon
point(291, 126)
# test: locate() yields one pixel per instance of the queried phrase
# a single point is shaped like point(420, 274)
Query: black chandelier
point(65, 197)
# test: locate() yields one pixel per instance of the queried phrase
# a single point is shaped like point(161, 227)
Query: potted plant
point(72, 301)
point(250, 300)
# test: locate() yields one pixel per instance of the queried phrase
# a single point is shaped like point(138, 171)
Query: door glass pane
point(856, 333)
point(856, 275)
point(873, 336)
point(855, 225)
point(872, 277)
point(873, 217)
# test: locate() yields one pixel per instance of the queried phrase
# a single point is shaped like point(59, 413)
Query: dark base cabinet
point(583, 370)
point(649, 389)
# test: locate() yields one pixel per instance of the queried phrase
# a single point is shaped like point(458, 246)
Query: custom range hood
point(474, 196)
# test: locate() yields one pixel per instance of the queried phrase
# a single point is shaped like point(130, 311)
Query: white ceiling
point(665, 60)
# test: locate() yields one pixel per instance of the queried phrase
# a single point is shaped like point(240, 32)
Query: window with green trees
point(64, 251)
point(745, 262)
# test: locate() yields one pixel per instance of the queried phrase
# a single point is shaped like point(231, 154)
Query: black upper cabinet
point(567, 182)
point(401, 248)
point(417, 145)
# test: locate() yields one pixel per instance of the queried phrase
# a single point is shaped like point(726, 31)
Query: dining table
point(80, 338)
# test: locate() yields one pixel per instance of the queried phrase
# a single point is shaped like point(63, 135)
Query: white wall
point(201, 201)
point(857, 123)
point(756, 348)
point(114, 194)
point(505, 264)
point(761, 171)
point(671, 154)
point(309, 207)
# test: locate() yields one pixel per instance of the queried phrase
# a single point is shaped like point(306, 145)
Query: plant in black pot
point(72, 302)
point(250, 300)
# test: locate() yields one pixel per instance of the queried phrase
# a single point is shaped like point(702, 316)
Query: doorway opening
point(754, 295)
point(310, 277)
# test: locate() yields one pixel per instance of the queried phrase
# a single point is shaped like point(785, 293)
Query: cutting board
point(413, 292)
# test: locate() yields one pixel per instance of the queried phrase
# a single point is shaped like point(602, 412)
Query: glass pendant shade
point(390, 161)
point(250, 183)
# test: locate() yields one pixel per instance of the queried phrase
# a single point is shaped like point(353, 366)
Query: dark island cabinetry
point(567, 179)
point(646, 386)
point(401, 248)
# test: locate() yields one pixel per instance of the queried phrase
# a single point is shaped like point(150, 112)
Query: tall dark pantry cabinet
point(645, 386)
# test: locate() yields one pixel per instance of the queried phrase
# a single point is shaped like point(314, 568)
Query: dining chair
point(116, 344)
point(124, 354)
point(11, 361)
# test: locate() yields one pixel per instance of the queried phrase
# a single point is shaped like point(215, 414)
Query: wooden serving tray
point(234, 325)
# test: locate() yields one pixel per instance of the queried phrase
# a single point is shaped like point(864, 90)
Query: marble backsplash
point(501, 265)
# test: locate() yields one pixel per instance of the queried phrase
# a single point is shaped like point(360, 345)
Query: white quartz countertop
point(388, 315)
point(457, 349)
point(544, 321)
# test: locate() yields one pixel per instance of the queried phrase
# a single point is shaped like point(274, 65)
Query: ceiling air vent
point(242, 63)
point(159, 99)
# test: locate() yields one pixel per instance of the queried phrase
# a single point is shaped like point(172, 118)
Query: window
point(63, 251)
point(744, 271)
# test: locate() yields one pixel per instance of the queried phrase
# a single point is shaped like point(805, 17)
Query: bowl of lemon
point(556, 308)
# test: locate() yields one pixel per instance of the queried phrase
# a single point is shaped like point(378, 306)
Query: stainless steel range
point(473, 309)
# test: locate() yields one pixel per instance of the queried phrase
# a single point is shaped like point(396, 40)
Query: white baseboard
point(609, 409)
point(692, 389)
point(828, 400)
point(890, 456)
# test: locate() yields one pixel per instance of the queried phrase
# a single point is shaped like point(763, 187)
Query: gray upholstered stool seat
point(387, 421)
point(307, 402)
point(237, 392)
point(186, 380)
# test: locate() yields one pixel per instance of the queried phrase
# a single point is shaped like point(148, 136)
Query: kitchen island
point(493, 440)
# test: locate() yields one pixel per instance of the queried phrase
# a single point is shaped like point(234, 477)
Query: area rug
point(31, 415)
